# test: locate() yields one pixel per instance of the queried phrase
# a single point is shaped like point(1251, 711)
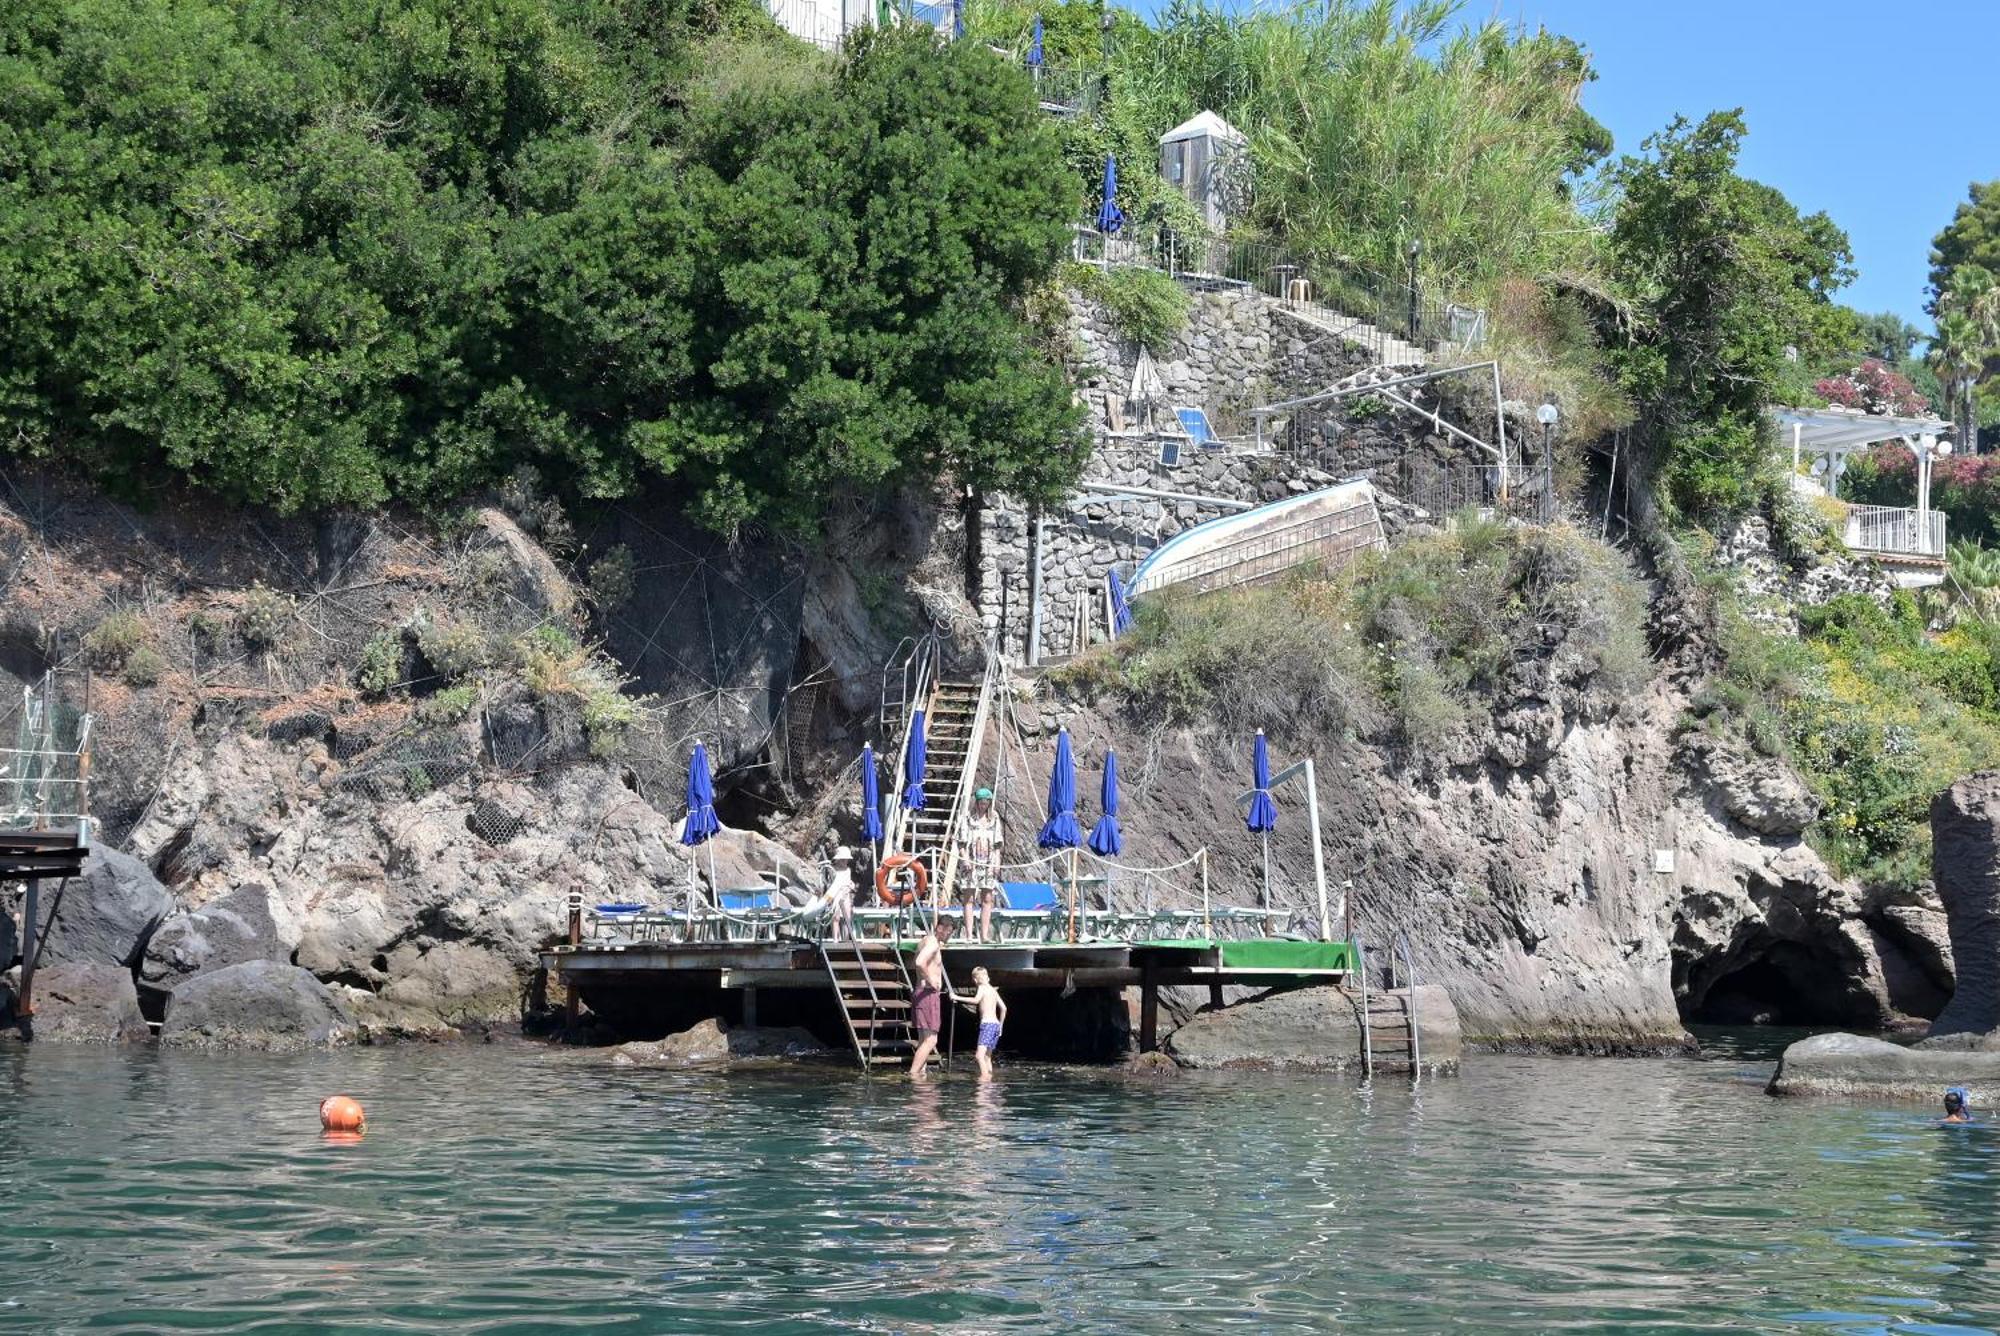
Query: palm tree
point(1968, 336)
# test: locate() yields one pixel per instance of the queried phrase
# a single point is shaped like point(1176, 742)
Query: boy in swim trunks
point(992, 1015)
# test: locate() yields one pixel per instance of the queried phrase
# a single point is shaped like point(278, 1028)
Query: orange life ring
point(899, 895)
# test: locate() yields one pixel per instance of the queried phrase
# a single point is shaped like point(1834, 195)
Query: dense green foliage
point(321, 253)
point(1412, 645)
point(1147, 307)
point(1878, 715)
point(1971, 237)
point(1722, 275)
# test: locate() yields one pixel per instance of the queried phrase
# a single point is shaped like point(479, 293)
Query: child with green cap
point(979, 863)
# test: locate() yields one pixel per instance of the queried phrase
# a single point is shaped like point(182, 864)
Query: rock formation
point(1965, 861)
point(261, 1004)
point(107, 915)
point(87, 1002)
point(230, 929)
point(1309, 1028)
point(714, 1043)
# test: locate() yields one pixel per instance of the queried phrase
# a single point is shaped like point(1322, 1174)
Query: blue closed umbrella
point(701, 822)
point(1121, 607)
point(1263, 816)
point(1106, 841)
point(1109, 216)
point(871, 797)
point(1060, 831)
point(957, 19)
point(1035, 46)
point(913, 765)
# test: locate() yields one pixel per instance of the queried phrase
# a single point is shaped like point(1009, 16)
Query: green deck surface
point(1272, 953)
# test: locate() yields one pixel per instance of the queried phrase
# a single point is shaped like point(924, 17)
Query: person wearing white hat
point(840, 893)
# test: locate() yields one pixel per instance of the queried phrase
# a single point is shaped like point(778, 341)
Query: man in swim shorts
point(992, 1015)
point(927, 997)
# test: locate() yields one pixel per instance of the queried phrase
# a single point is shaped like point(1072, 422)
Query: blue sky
point(1881, 114)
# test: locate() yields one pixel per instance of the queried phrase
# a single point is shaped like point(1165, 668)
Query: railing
point(968, 781)
point(1367, 1042)
point(1520, 491)
point(918, 677)
point(45, 775)
point(1895, 530)
point(1402, 948)
point(1067, 91)
point(1395, 320)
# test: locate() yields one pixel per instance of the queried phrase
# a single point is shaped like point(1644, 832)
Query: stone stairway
point(949, 745)
point(873, 990)
point(1387, 348)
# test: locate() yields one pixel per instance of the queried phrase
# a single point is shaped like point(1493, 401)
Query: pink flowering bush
point(1874, 387)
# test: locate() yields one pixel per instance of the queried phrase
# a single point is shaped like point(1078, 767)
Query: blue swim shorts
point(989, 1035)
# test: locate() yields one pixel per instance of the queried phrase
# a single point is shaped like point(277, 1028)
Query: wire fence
point(1516, 491)
point(1398, 320)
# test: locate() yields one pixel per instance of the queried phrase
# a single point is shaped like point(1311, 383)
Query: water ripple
point(512, 1189)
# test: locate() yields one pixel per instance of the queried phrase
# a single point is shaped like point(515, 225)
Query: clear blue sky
point(1879, 113)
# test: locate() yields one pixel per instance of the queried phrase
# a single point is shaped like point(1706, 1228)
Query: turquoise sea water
point(510, 1188)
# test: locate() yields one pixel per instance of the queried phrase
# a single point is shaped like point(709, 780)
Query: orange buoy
point(338, 1113)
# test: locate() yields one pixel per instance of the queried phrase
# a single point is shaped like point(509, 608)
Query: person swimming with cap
point(1958, 1105)
point(979, 863)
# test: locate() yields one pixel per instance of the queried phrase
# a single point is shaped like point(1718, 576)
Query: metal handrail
point(919, 670)
point(1402, 946)
point(961, 804)
point(1367, 1042)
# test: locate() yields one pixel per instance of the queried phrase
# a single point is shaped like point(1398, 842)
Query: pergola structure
point(1826, 438)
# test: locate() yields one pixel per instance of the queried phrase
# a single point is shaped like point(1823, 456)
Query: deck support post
point(24, 1004)
point(1149, 1012)
point(749, 1008)
point(1215, 996)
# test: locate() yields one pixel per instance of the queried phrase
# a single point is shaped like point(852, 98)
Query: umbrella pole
point(1207, 928)
point(1267, 871)
point(1072, 895)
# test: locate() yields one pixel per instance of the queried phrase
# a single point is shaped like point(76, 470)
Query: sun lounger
point(1027, 910)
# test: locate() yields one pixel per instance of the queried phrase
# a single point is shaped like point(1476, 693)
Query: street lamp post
point(1548, 415)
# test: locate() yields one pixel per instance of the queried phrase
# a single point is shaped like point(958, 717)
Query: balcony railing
point(1894, 531)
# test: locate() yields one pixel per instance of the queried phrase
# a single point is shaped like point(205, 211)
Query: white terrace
point(1909, 541)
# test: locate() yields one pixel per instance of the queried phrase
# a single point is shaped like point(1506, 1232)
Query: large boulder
point(226, 931)
point(712, 1043)
point(1316, 1028)
point(1849, 1064)
point(1965, 863)
point(86, 1002)
point(454, 981)
point(107, 915)
point(263, 1004)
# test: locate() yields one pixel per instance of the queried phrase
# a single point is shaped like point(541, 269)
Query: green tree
point(1971, 237)
point(1967, 338)
point(1721, 276)
point(1888, 337)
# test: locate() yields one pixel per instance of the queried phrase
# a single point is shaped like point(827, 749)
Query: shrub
point(612, 579)
point(113, 641)
point(1874, 387)
point(144, 666)
point(1145, 306)
point(452, 648)
point(448, 706)
point(262, 615)
point(381, 665)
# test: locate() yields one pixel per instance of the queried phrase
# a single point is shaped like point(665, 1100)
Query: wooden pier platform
point(680, 972)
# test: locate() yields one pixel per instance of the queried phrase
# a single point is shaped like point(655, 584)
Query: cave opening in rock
point(1760, 993)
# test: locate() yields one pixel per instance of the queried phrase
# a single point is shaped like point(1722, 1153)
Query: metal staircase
point(873, 988)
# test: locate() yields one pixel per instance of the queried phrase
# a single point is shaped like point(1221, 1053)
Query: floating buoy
point(338, 1113)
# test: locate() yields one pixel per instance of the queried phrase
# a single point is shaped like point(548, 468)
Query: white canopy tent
point(1824, 439)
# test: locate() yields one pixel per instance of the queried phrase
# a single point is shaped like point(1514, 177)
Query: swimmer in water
point(1955, 1110)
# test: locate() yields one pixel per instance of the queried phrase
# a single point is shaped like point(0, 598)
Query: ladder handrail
point(919, 677)
point(846, 1016)
point(1367, 1043)
point(968, 784)
point(1402, 946)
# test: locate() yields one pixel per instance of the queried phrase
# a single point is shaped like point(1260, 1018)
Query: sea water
point(514, 1188)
